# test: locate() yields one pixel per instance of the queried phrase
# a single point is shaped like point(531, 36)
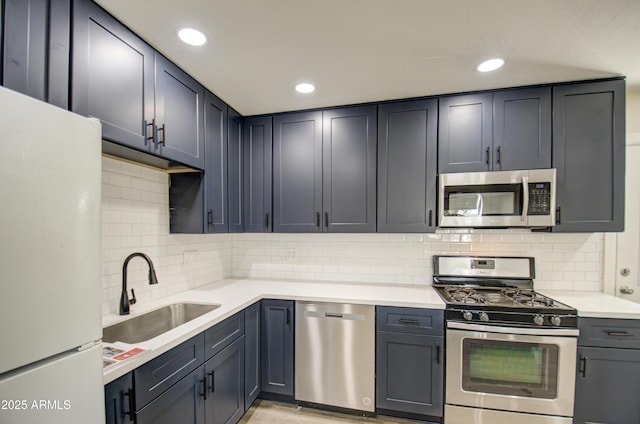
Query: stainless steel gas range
point(511, 352)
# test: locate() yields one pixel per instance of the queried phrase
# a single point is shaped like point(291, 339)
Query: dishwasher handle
point(333, 315)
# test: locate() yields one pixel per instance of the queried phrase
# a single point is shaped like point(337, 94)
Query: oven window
point(483, 200)
point(510, 368)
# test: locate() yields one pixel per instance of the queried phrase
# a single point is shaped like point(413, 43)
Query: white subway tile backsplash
point(135, 217)
point(563, 261)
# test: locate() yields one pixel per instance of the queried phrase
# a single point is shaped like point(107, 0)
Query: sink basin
point(154, 323)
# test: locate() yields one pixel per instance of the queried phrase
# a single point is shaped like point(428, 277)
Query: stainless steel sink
point(154, 323)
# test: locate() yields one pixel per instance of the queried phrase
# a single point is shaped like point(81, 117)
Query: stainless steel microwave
point(500, 199)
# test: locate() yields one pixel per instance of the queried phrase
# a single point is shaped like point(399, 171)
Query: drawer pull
point(408, 321)
point(619, 334)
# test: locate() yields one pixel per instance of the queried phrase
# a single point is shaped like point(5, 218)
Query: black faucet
point(124, 298)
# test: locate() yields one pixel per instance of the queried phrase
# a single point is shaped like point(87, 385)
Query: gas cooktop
point(496, 290)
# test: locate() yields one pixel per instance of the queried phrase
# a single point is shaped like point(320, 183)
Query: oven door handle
point(570, 332)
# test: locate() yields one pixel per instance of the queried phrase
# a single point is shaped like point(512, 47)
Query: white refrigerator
point(50, 264)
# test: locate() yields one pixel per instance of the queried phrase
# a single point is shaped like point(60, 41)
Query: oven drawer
point(609, 332)
point(410, 320)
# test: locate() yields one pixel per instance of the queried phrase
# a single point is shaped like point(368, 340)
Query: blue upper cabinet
point(112, 77)
point(325, 171)
point(465, 133)
point(522, 129)
point(407, 166)
point(349, 142)
point(257, 171)
point(505, 130)
point(297, 172)
point(215, 174)
point(589, 155)
point(143, 100)
point(179, 115)
point(235, 170)
point(36, 48)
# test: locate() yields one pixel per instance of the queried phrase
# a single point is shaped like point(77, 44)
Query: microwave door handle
point(479, 205)
point(525, 198)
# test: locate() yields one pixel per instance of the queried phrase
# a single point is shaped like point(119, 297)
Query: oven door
point(501, 368)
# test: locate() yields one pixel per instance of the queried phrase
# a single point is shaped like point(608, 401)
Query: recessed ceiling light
point(192, 36)
point(490, 65)
point(305, 88)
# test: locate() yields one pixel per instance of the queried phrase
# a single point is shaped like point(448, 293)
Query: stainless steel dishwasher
point(335, 355)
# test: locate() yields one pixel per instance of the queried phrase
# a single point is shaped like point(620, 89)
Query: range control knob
point(467, 315)
point(483, 316)
point(538, 319)
point(555, 320)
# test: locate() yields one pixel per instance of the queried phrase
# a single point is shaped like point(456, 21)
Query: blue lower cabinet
point(276, 352)
point(608, 371)
point(183, 403)
point(224, 375)
point(251, 354)
point(410, 362)
point(410, 373)
point(119, 401)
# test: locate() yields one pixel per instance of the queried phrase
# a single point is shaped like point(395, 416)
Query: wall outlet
point(290, 255)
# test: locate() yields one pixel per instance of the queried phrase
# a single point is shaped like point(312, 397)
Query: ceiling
point(359, 51)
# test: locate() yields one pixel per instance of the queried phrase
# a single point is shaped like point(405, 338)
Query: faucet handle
point(133, 299)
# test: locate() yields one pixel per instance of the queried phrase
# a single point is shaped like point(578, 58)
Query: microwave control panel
point(539, 199)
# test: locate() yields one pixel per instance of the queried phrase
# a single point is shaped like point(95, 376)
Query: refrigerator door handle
point(89, 345)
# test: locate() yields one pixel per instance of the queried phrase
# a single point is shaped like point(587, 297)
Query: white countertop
point(236, 294)
point(596, 304)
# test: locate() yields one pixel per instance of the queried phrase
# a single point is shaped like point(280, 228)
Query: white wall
point(633, 114)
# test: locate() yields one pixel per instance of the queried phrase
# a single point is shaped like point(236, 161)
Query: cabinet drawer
point(410, 320)
point(607, 332)
point(223, 334)
point(157, 375)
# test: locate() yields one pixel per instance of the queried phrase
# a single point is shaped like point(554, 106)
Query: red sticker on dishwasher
point(128, 354)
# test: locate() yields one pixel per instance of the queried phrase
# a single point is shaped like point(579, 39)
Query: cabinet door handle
point(266, 219)
point(213, 382)
point(619, 334)
point(204, 388)
point(488, 151)
point(131, 403)
point(326, 219)
point(583, 366)
point(499, 155)
point(438, 354)
point(164, 135)
point(430, 217)
point(317, 219)
point(558, 215)
point(151, 124)
point(210, 219)
point(288, 317)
